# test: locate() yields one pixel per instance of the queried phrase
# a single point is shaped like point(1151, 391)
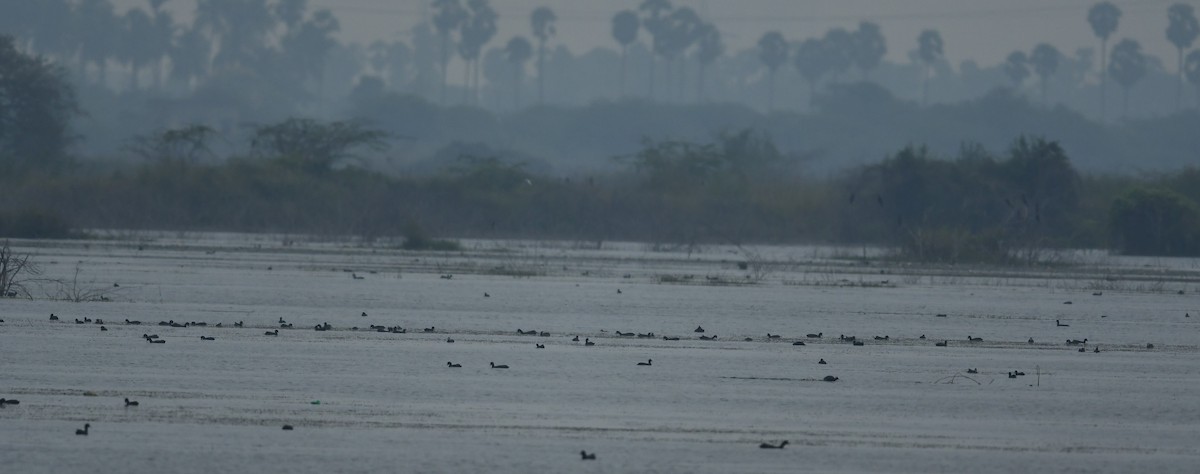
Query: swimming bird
point(799, 343)
point(748, 339)
point(822, 362)
point(773, 336)
point(625, 334)
point(647, 362)
point(588, 342)
point(665, 338)
point(858, 343)
point(449, 340)
point(429, 329)
point(206, 338)
point(830, 378)
point(364, 314)
point(281, 321)
point(485, 295)
point(1060, 324)
point(84, 431)
point(239, 324)
point(942, 344)
point(135, 323)
point(494, 366)
point(1031, 340)
point(1097, 349)
point(974, 339)
point(272, 333)
point(157, 341)
point(450, 364)
point(1149, 346)
point(575, 339)
point(618, 291)
point(288, 428)
point(699, 329)
point(586, 456)
point(102, 328)
point(544, 334)
point(972, 371)
point(706, 338)
point(5, 401)
point(540, 346)
point(130, 403)
point(1081, 349)
point(1012, 375)
point(816, 336)
point(773, 446)
point(53, 317)
point(922, 337)
point(883, 338)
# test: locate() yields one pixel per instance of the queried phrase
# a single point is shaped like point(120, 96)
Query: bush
point(1153, 221)
point(34, 224)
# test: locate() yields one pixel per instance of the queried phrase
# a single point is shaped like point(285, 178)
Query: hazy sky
point(983, 30)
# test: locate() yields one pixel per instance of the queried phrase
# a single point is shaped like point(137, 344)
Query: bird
point(1097, 349)
point(102, 328)
point(830, 378)
point(5, 401)
point(429, 329)
point(773, 446)
point(1081, 349)
point(588, 342)
point(922, 337)
point(773, 336)
point(287, 428)
point(494, 366)
point(575, 339)
point(665, 338)
point(129, 403)
point(132, 322)
point(858, 343)
point(207, 338)
point(1060, 324)
point(974, 339)
point(364, 314)
point(53, 317)
point(272, 333)
point(84, 431)
point(972, 371)
point(942, 344)
point(618, 291)
point(486, 295)
point(540, 346)
point(647, 362)
point(799, 343)
point(451, 364)
point(699, 329)
point(822, 362)
point(586, 456)
point(449, 340)
point(816, 336)
point(706, 338)
point(157, 341)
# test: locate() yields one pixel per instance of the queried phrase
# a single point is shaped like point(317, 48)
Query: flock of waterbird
point(587, 342)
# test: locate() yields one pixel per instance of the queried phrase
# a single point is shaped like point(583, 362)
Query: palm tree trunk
point(925, 87)
point(770, 90)
point(1179, 88)
point(1125, 104)
point(445, 60)
point(467, 81)
point(1103, 79)
point(516, 86)
point(541, 71)
point(700, 83)
point(652, 61)
point(624, 54)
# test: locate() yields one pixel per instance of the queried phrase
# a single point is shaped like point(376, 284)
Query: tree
point(625, 25)
point(477, 30)
point(1191, 67)
point(1127, 66)
point(542, 21)
point(655, 24)
point(930, 49)
point(314, 146)
point(137, 42)
point(163, 34)
point(308, 44)
point(189, 57)
point(518, 52)
point(810, 61)
point(449, 17)
point(710, 48)
point(178, 146)
point(1103, 17)
point(37, 106)
point(1016, 67)
point(839, 50)
point(682, 30)
point(1155, 222)
point(97, 31)
point(239, 26)
point(1045, 60)
point(869, 47)
point(772, 51)
point(1182, 30)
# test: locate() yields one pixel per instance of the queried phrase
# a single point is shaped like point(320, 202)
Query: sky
point(985, 31)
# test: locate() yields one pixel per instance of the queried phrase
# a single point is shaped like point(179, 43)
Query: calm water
point(388, 403)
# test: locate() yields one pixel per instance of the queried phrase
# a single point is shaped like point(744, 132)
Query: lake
point(366, 401)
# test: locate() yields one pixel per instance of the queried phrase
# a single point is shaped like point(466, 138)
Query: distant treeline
point(978, 206)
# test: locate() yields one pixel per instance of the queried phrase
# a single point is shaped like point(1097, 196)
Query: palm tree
point(682, 28)
point(542, 20)
point(654, 22)
point(1127, 66)
point(449, 17)
point(190, 57)
point(1045, 60)
point(518, 51)
point(164, 33)
point(930, 49)
point(476, 32)
point(772, 51)
point(97, 30)
point(1104, 17)
point(709, 49)
point(137, 46)
point(812, 62)
point(240, 26)
point(869, 47)
point(1182, 30)
point(1191, 69)
point(839, 50)
point(309, 45)
point(290, 12)
point(625, 25)
point(1016, 67)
